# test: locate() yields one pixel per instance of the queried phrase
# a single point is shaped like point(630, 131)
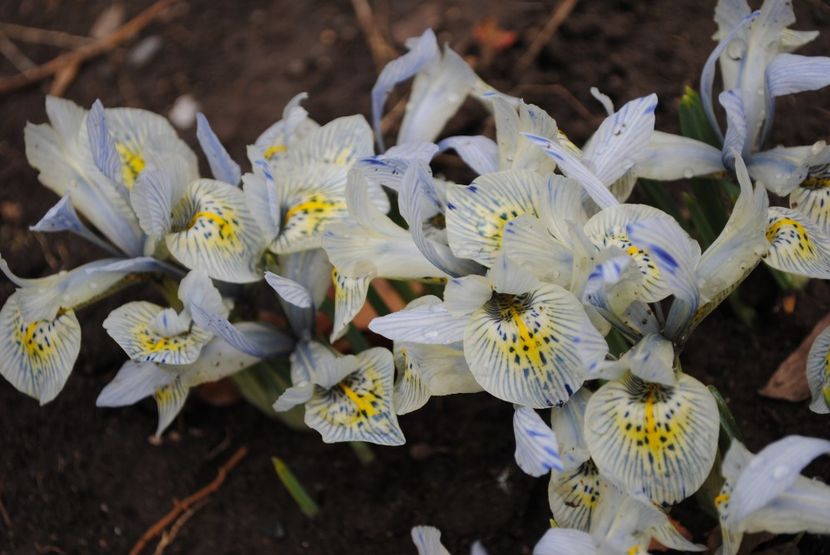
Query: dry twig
point(13, 54)
point(180, 507)
point(381, 50)
point(35, 35)
point(789, 383)
point(559, 15)
point(168, 537)
point(83, 53)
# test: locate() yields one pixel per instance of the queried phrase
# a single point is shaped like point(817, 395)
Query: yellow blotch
point(33, 340)
point(526, 343)
point(343, 157)
point(816, 183)
point(132, 164)
point(225, 228)
point(362, 402)
point(780, 227)
point(272, 151)
point(315, 205)
point(721, 499)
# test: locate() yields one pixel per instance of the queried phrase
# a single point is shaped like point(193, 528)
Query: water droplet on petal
point(688, 173)
point(780, 471)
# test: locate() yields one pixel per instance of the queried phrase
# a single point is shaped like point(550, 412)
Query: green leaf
point(693, 121)
point(295, 488)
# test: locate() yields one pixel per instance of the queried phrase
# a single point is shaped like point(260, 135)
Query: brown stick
point(559, 15)
point(13, 54)
point(180, 507)
point(82, 53)
point(36, 35)
point(168, 537)
point(381, 50)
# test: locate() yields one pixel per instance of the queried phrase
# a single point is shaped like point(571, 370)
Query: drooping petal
point(139, 329)
point(477, 213)
point(573, 167)
point(289, 290)
point(62, 217)
point(618, 143)
point(478, 152)
point(152, 199)
point(574, 494)
point(422, 52)
point(213, 230)
point(655, 440)
point(427, 540)
point(133, 382)
point(221, 164)
point(818, 373)
point(426, 370)
point(532, 349)
point(429, 322)
point(565, 541)
point(537, 452)
point(295, 395)
point(359, 408)
point(170, 400)
point(796, 245)
point(812, 196)
point(438, 91)
point(772, 471)
point(671, 157)
point(36, 356)
point(791, 73)
point(568, 421)
point(349, 296)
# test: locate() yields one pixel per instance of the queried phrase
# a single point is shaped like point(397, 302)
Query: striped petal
point(818, 373)
point(478, 152)
point(275, 142)
point(221, 164)
point(564, 541)
point(574, 494)
point(358, 408)
point(170, 401)
point(289, 290)
point(425, 320)
point(812, 196)
point(537, 452)
point(651, 439)
point(133, 382)
point(426, 370)
point(568, 421)
point(36, 357)
point(477, 214)
point(62, 217)
point(528, 244)
point(796, 245)
point(340, 142)
point(213, 230)
point(149, 333)
point(349, 297)
point(516, 151)
point(532, 349)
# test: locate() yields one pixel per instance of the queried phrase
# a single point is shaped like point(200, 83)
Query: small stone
point(143, 52)
point(184, 110)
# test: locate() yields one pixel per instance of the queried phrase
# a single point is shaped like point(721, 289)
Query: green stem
point(377, 302)
point(295, 488)
point(363, 451)
point(356, 339)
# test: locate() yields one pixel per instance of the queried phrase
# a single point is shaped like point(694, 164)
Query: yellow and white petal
point(796, 245)
point(655, 440)
point(133, 382)
point(341, 142)
point(532, 349)
point(812, 196)
point(349, 296)
point(566, 541)
point(213, 230)
point(818, 373)
point(139, 328)
point(274, 143)
point(574, 494)
point(476, 214)
point(612, 227)
point(36, 357)
point(170, 400)
point(358, 408)
point(311, 197)
point(515, 150)
point(426, 370)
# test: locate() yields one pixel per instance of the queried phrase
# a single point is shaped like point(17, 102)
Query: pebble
point(183, 112)
point(143, 52)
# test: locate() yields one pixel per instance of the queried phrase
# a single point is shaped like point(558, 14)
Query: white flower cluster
point(541, 258)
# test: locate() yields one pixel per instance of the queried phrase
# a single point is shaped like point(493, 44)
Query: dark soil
point(77, 479)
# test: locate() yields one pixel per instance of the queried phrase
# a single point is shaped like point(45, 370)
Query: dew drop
point(688, 173)
point(779, 472)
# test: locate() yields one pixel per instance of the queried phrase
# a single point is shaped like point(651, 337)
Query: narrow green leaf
point(295, 488)
point(377, 302)
point(363, 451)
point(693, 120)
point(356, 339)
